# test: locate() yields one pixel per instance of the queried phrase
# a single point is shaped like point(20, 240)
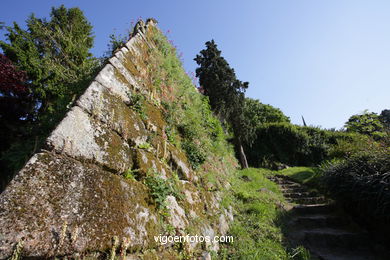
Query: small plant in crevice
point(137, 102)
point(184, 250)
point(145, 146)
point(131, 174)
point(168, 229)
point(159, 189)
point(172, 135)
point(174, 182)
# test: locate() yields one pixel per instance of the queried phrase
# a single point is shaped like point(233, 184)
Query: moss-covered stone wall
point(93, 182)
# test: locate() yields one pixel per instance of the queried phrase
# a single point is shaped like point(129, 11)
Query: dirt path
point(323, 228)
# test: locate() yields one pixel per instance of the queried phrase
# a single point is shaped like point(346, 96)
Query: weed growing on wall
point(136, 102)
point(160, 189)
point(130, 174)
point(192, 126)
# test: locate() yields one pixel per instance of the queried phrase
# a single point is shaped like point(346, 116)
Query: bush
point(349, 144)
point(361, 184)
point(288, 144)
point(285, 143)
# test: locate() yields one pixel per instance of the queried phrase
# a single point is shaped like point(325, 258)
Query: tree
point(12, 81)
point(47, 66)
point(55, 55)
point(385, 118)
point(366, 123)
point(15, 109)
point(14, 92)
point(257, 113)
point(15, 101)
point(226, 93)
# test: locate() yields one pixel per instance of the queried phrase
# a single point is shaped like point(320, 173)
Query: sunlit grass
point(304, 175)
point(258, 204)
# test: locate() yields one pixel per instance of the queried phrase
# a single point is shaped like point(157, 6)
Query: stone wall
point(72, 198)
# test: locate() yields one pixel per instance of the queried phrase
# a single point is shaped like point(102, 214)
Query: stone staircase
point(322, 227)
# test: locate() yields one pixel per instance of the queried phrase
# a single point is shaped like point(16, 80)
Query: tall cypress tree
point(226, 93)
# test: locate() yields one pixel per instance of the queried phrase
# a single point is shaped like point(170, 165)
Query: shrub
point(288, 144)
point(362, 183)
point(349, 144)
point(195, 154)
point(285, 143)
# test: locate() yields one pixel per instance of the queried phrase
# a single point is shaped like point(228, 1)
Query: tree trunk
point(241, 154)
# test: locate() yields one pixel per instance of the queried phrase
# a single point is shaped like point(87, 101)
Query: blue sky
point(325, 60)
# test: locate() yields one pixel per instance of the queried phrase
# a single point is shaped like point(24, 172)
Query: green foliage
point(349, 144)
point(195, 154)
point(366, 123)
point(218, 80)
point(256, 235)
point(310, 176)
point(300, 253)
point(225, 92)
point(190, 122)
point(130, 174)
point(285, 143)
point(137, 102)
point(384, 117)
point(361, 185)
point(160, 189)
point(145, 146)
point(257, 113)
point(278, 142)
point(288, 144)
point(55, 54)
point(116, 42)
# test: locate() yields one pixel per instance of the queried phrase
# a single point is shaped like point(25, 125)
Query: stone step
point(309, 200)
point(335, 238)
point(318, 224)
point(283, 181)
point(292, 190)
point(321, 221)
point(314, 209)
point(291, 185)
point(345, 254)
point(301, 194)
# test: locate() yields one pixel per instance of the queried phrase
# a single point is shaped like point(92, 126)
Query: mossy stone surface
point(54, 189)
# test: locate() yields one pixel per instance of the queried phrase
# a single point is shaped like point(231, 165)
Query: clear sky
point(325, 60)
